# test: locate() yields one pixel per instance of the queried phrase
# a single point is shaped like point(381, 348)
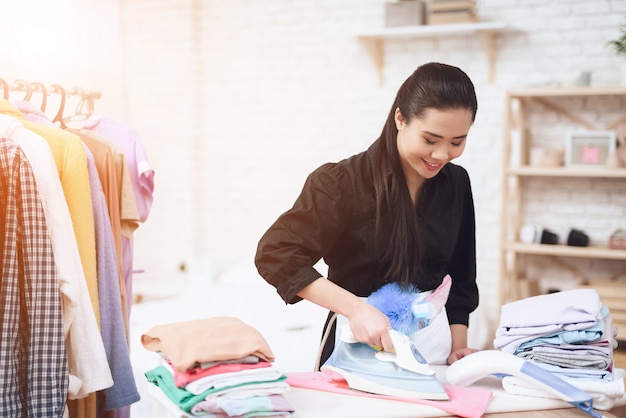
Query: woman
point(398, 212)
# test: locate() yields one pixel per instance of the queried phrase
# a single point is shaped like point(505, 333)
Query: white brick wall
point(238, 101)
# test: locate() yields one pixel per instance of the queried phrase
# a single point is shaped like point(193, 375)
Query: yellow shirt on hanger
point(71, 162)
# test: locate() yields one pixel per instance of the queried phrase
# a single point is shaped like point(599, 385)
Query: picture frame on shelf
point(584, 148)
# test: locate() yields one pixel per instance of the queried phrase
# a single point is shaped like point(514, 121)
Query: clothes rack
point(46, 131)
point(84, 108)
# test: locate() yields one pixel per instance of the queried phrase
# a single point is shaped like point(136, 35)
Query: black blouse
point(334, 219)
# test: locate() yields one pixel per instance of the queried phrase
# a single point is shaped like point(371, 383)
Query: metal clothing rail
point(84, 108)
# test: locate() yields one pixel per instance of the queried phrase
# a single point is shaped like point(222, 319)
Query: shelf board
point(530, 171)
point(374, 39)
point(567, 91)
point(566, 251)
point(429, 31)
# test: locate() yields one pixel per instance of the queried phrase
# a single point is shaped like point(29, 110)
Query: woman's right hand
point(367, 323)
point(371, 326)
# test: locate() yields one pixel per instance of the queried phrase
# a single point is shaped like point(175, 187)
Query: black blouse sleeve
point(463, 298)
point(298, 239)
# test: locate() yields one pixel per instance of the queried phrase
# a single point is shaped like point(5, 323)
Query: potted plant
point(619, 48)
point(619, 44)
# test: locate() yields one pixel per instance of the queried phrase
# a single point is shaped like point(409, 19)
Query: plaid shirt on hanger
point(33, 360)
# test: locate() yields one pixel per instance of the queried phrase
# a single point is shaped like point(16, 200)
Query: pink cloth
point(181, 379)
point(440, 296)
point(464, 402)
point(128, 139)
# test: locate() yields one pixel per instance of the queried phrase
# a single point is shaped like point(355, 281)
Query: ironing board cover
point(464, 402)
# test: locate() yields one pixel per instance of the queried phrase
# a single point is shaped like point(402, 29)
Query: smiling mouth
point(432, 166)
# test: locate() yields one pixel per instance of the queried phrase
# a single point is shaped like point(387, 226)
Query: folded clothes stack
point(568, 333)
point(217, 367)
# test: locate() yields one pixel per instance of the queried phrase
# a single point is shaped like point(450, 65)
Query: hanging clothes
point(116, 184)
point(115, 214)
point(124, 392)
point(70, 159)
point(93, 192)
point(142, 179)
point(141, 175)
point(129, 140)
point(75, 188)
point(33, 361)
point(88, 367)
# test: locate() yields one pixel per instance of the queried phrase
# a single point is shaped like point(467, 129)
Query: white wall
point(237, 101)
point(283, 86)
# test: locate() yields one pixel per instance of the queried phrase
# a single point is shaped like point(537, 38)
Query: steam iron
point(404, 373)
point(406, 355)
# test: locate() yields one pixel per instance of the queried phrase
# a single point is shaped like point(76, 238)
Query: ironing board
point(310, 404)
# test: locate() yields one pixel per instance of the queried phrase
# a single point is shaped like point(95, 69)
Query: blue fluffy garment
point(395, 302)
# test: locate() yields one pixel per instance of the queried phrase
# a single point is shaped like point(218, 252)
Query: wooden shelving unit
point(374, 40)
point(514, 283)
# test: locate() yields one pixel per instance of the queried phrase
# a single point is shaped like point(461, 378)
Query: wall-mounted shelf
point(533, 92)
point(566, 251)
point(530, 171)
point(374, 40)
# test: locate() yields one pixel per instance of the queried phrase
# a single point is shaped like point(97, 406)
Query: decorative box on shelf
point(451, 11)
point(618, 240)
point(405, 13)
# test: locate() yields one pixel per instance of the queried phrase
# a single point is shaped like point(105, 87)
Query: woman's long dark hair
point(435, 86)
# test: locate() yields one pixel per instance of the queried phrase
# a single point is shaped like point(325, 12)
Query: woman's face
point(427, 143)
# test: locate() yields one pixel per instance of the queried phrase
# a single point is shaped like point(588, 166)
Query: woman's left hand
point(460, 353)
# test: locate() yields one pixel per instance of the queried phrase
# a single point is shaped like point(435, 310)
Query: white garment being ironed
point(434, 341)
point(88, 366)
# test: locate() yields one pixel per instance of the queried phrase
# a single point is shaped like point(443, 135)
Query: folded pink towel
point(182, 379)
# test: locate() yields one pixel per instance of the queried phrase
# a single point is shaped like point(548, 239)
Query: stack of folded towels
point(217, 367)
point(568, 333)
